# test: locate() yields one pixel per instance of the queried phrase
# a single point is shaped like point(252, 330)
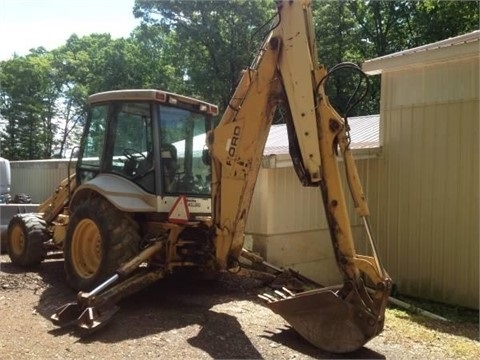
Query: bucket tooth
point(291, 293)
point(271, 297)
point(281, 294)
point(265, 298)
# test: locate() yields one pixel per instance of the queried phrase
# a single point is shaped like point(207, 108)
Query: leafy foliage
point(199, 48)
point(29, 89)
point(210, 41)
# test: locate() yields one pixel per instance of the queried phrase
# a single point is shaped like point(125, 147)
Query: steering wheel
point(132, 154)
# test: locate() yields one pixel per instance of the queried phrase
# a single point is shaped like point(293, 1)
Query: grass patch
point(455, 314)
point(456, 339)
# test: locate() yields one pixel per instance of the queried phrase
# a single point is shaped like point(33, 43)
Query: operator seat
point(168, 154)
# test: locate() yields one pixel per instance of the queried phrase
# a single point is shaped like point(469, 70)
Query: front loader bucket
point(327, 321)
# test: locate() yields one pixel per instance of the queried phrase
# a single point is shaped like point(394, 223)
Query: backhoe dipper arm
point(286, 70)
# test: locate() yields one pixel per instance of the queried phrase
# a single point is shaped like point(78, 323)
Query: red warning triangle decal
point(179, 212)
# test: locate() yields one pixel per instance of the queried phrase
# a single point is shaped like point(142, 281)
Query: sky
point(27, 24)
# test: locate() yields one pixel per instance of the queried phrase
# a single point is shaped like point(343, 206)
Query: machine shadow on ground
point(289, 337)
point(174, 303)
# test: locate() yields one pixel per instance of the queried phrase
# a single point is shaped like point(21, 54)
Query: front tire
point(26, 235)
point(99, 239)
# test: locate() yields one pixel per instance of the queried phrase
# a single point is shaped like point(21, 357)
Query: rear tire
point(26, 235)
point(99, 239)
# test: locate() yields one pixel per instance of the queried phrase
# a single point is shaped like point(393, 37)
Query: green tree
point(210, 42)
point(91, 64)
point(361, 30)
point(96, 62)
point(29, 89)
point(199, 48)
point(434, 20)
point(154, 60)
point(338, 40)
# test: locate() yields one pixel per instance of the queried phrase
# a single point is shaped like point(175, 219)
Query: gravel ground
point(186, 320)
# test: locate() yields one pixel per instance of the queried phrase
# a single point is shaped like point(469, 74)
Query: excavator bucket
point(328, 320)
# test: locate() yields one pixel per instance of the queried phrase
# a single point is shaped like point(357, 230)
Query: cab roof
point(147, 95)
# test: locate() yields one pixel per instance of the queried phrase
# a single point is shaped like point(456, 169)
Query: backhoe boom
point(287, 72)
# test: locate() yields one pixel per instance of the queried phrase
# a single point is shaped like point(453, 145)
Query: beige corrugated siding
point(38, 178)
point(427, 211)
point(288, 224)
point(282, 205)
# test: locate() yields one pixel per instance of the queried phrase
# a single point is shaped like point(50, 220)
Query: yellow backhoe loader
point(157, 189)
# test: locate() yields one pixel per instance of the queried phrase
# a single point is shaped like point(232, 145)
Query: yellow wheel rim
point(17, 240)
point(86, 248)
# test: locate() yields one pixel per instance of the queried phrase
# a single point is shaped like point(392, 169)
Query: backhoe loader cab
point(152, 139)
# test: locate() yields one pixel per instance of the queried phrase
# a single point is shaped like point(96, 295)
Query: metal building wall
point(38, 178)
point(290, 207)
point(427, 191)
point(288, 225)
